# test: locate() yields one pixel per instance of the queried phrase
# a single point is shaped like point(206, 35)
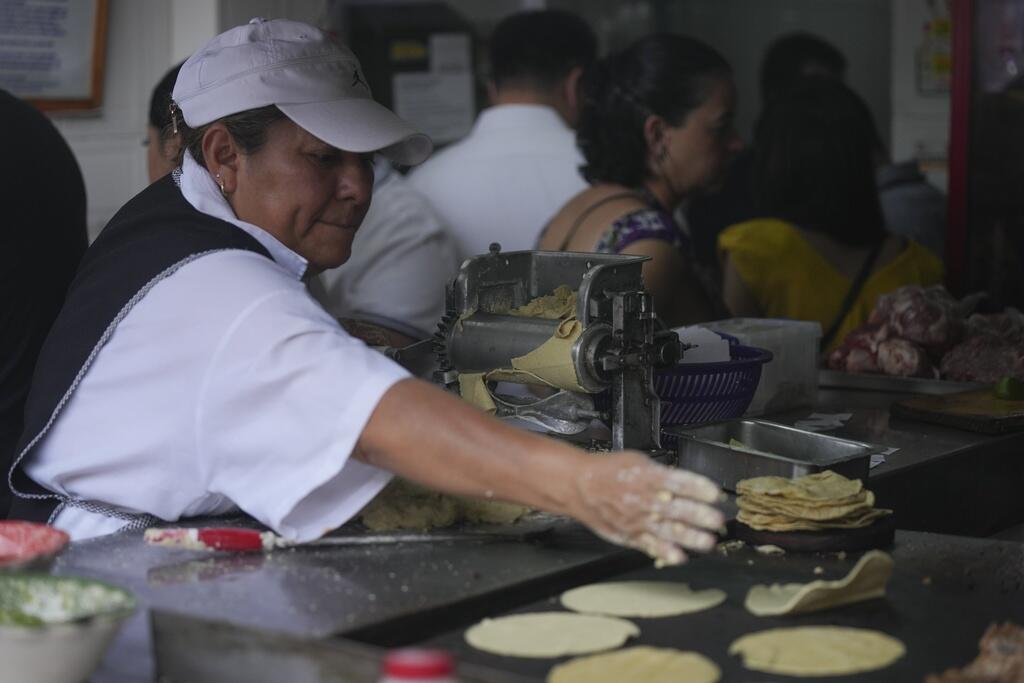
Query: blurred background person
point(821, 250)
point(161, 142)
point(519, 164)
point(911, 205)
point(657, 126)
point(787, 60)
point(43, 239)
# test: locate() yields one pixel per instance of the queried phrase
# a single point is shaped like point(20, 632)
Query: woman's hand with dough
point(630, 500)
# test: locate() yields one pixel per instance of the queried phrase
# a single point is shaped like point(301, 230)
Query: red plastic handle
point(228, 538)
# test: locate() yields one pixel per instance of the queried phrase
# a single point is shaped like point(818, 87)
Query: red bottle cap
point(416, 664)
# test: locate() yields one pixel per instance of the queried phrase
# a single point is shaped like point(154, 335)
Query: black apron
point(152, 236)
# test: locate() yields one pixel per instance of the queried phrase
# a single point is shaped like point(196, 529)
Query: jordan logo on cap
point(357, 79)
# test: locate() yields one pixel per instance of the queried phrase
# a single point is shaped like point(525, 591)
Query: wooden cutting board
point(976, 411)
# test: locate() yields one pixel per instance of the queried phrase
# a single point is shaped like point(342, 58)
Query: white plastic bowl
point(55, 629)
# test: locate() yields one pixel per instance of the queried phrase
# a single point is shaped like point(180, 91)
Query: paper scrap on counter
point(823, 422)
point(879, 458)
point(705, 345)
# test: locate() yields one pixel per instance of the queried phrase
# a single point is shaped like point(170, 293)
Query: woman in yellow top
point(824, 253)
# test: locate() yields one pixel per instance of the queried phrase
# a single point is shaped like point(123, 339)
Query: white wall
point(144, 38)
point(920, 123)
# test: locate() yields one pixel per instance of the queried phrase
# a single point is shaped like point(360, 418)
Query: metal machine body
point(617, 350)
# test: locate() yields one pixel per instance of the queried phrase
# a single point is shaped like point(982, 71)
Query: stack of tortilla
point(824, 500)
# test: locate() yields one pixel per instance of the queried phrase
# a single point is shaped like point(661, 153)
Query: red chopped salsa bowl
point(27, 544)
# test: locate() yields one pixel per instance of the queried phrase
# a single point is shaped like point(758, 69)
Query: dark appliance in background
point(419, 60)
point(985, 245)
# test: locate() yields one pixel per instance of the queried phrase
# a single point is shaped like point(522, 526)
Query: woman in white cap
point(190, 373)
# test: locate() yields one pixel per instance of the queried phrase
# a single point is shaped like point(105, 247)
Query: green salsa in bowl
point(55, 629)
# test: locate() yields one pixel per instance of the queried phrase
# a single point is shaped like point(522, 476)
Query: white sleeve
point(283, 402)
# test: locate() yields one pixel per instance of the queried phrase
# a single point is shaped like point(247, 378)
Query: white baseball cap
point(314, 80)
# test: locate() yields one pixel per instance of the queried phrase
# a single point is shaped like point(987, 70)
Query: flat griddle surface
point(971, 583)
point(326, 591)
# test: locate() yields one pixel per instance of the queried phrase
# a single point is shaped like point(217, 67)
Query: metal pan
point(834, 379)
point(769, 449)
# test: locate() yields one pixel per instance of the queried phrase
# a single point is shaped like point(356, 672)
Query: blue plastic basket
point(695, 393)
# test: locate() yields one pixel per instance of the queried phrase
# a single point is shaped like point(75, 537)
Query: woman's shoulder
point(760, 234)
point(919, 258)
point(612, 195)
point(643, 222)
point(590, 212)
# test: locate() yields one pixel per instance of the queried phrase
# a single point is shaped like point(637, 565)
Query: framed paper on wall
point(52, 52)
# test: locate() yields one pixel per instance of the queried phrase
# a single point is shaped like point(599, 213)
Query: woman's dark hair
point(538, 49)
point(794, 56)
point(663, 74)
point(814, 162)
point(160, 99)
point(248, 128)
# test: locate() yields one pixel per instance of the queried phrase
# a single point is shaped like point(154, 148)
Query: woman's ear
point(222, 157)
point(572, 95)
point(655, 136)
point(654, 131)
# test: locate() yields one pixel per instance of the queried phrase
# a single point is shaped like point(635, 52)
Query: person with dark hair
point(43, 239)
point(519, 163)
point(910, 205)
point(821, 251)
point(191, 373)
point(161, 140)
point(656, 127)
point(788, 59)
point(794, 56)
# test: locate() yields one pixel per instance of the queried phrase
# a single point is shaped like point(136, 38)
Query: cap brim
point(361, 125)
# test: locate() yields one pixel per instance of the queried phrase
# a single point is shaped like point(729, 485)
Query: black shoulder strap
point(589, 210)
point(851, 295)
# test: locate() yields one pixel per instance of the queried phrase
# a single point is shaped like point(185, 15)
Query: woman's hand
point(630, 500)
point(432, 438)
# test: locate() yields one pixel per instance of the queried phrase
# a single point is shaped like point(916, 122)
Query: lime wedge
point(1009, 389)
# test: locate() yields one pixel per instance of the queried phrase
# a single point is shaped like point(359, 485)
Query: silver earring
point(220, 183)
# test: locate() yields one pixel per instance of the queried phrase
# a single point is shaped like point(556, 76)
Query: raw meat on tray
point(925, 332)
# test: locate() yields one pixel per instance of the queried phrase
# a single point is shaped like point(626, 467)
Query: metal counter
point(941, 479)
point(317, 592)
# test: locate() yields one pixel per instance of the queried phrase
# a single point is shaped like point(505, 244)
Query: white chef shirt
point(226, 387)
point(402, 258)
point(504, 181)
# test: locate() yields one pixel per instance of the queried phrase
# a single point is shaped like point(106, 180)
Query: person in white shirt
point(190, 372)
point(519, 164)
point(402, 258)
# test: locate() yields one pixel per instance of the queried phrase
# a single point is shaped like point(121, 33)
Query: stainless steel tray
point(906, 385)
point(768, 449)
